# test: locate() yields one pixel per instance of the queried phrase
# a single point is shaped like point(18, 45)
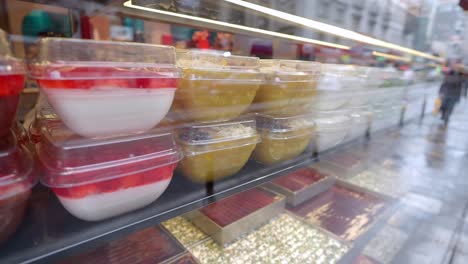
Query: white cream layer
point(109, 111)
point(101, 206)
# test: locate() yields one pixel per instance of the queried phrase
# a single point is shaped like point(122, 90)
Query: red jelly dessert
point(101, 76)
point(342, 211)
point(9, 100)
point(233, 208)
point(89, 175)
point(151, 245)
point(16, 181)
point(11, 84)
point(299, 179)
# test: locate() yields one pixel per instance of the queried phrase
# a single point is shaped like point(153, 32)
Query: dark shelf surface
point(50, 233)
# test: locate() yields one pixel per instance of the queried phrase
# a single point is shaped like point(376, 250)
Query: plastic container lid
point(8, 64)
point(372, 75)
point(212, 65)
point(64, 58)
point(332, 120)
point(16, 167)
point(208, 137)
point(340, 77)
point(289, 70)
point(45, 113)
point(285, 127)
point(391, 78)
point(344, 70)
point(387, 110)
point(72, 160)
point(361, 116)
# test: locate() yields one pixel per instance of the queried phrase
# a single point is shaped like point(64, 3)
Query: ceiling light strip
point(341, 32)
point(239, 27)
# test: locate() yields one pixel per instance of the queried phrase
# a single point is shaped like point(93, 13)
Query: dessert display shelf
point(143, 145)
point(49, 233)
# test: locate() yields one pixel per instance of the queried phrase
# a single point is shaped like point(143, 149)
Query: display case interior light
point(238, 27)
point(330, 29)
point(391, 56)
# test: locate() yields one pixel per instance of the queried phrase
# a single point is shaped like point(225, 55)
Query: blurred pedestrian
point(450, 92)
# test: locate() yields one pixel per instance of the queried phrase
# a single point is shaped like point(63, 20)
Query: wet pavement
point(431, 162)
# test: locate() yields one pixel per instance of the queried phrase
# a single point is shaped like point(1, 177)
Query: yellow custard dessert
point(215, 151)
point(214, 87)
point(289, 87)
point(282, 139)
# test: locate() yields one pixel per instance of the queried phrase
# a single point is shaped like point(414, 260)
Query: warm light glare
point(341, 32)
point(390, 56)
point(244, 28)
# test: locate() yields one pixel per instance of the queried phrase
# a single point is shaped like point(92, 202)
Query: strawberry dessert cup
point(16, 181)
point(95, 179)
point(104, 88)
point(11, 83)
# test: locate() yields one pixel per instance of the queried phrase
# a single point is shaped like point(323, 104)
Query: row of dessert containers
point(104, 89)
point(96, 86)
point(99, 178)
point(89, 175)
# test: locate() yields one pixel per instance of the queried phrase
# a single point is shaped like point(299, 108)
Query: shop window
point(356, 21)
point(323, 9)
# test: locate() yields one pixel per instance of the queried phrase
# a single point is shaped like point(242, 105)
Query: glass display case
point(166, 131)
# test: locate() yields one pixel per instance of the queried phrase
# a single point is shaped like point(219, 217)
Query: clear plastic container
point(373, 76)
point(289, 87)
point(215, 87)
point(391, 78)
point(11, 84)
point(43, 114)
point(339, 86)
point(21, 134)
point(104, 88)
point(385, 116)
point(96, 179)
point(16, 180)
point(361, 121)
point(390, 95)
point(282, 138)
point(332, 127)
point(385, 86)
point(216, 150)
